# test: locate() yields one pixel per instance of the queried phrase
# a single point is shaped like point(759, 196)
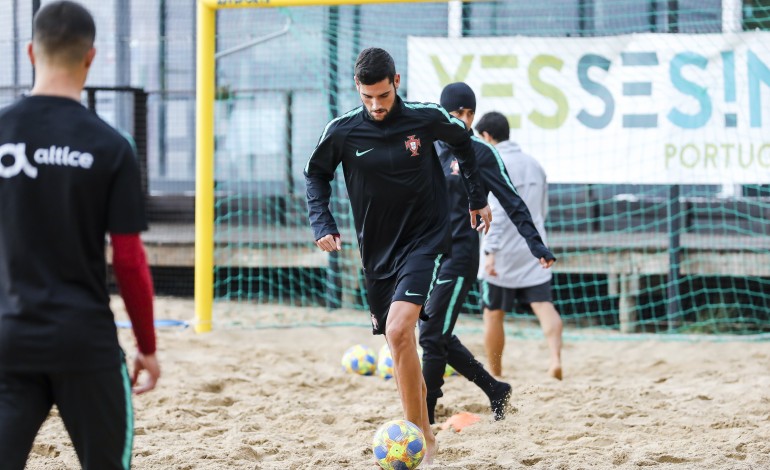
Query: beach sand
point(256, 394)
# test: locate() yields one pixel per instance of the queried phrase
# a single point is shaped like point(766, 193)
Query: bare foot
point(555, 371)
point(431, 449)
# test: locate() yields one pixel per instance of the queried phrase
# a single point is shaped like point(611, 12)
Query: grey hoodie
point(514, 263)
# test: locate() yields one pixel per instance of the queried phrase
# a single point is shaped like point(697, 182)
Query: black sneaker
point(499, 400)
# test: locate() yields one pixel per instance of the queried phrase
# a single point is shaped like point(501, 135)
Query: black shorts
point(94, 405)
point(503, 298)
point(446, 300)
point(412, 283)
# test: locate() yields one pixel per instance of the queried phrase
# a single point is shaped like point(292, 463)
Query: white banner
point(642, 108)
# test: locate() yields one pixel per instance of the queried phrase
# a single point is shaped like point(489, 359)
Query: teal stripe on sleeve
point(350, 113)
point(449, 117)
point(500, 164)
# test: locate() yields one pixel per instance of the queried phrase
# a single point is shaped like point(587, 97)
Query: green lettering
point(709, 153)
point(696, 153)
point(762, 162)
point(500, 90)
point(546, 89)
point(497, 90)
point(499, 62)
point(751, 157)
point(670, 153)
point(459, 76)
point(727, 148)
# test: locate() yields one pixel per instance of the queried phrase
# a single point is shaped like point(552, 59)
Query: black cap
point(458, 96)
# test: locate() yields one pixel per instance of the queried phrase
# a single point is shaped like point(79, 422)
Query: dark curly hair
point(374, 65)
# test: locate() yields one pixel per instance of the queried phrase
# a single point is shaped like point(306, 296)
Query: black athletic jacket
point(464, 259)
point(394, 179)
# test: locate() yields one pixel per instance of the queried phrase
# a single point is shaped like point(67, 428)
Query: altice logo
point(53, 155)
point(19, 161)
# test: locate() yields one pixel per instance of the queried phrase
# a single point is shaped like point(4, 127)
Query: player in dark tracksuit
point(400, 207)
point(397, 191)
point(396, 187)
point(67, 178)
point(457, 273)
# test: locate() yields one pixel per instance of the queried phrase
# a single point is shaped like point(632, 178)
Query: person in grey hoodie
point(508, 272)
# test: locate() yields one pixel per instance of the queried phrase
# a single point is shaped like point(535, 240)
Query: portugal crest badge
point(413, 145)
point(455, 167)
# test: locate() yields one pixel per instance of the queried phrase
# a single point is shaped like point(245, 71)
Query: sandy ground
point(250, 397)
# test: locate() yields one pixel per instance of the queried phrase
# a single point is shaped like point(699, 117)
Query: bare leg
point(550, 322)
point(494, 340)
point(400, 333)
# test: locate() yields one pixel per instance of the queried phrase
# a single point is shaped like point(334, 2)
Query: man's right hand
point(329, 243)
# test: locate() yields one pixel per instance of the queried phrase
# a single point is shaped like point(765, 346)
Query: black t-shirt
point(464, 258)
point(66, 179)
point(395, 182)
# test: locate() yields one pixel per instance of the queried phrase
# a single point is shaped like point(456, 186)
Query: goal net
point(650, 119)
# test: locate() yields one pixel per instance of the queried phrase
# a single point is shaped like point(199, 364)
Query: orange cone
point(457, 422)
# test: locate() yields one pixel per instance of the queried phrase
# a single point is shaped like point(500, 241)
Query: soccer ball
point(359, 359)
point(385, 363)
point(398, 445)
point(450, 371)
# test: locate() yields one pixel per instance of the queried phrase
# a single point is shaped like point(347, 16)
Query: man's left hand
point(149, 364)
point(486, 218)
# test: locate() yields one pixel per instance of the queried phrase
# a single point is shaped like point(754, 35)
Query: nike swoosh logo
point(442, 281)
point(412, 294)
point(358, 154)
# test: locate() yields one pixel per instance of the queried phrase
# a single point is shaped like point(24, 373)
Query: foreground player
point(457, 274)
point(400, 207)
point(66, 179)
point(508, 273)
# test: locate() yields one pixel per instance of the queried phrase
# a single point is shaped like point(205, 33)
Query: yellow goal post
point(204, 137)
